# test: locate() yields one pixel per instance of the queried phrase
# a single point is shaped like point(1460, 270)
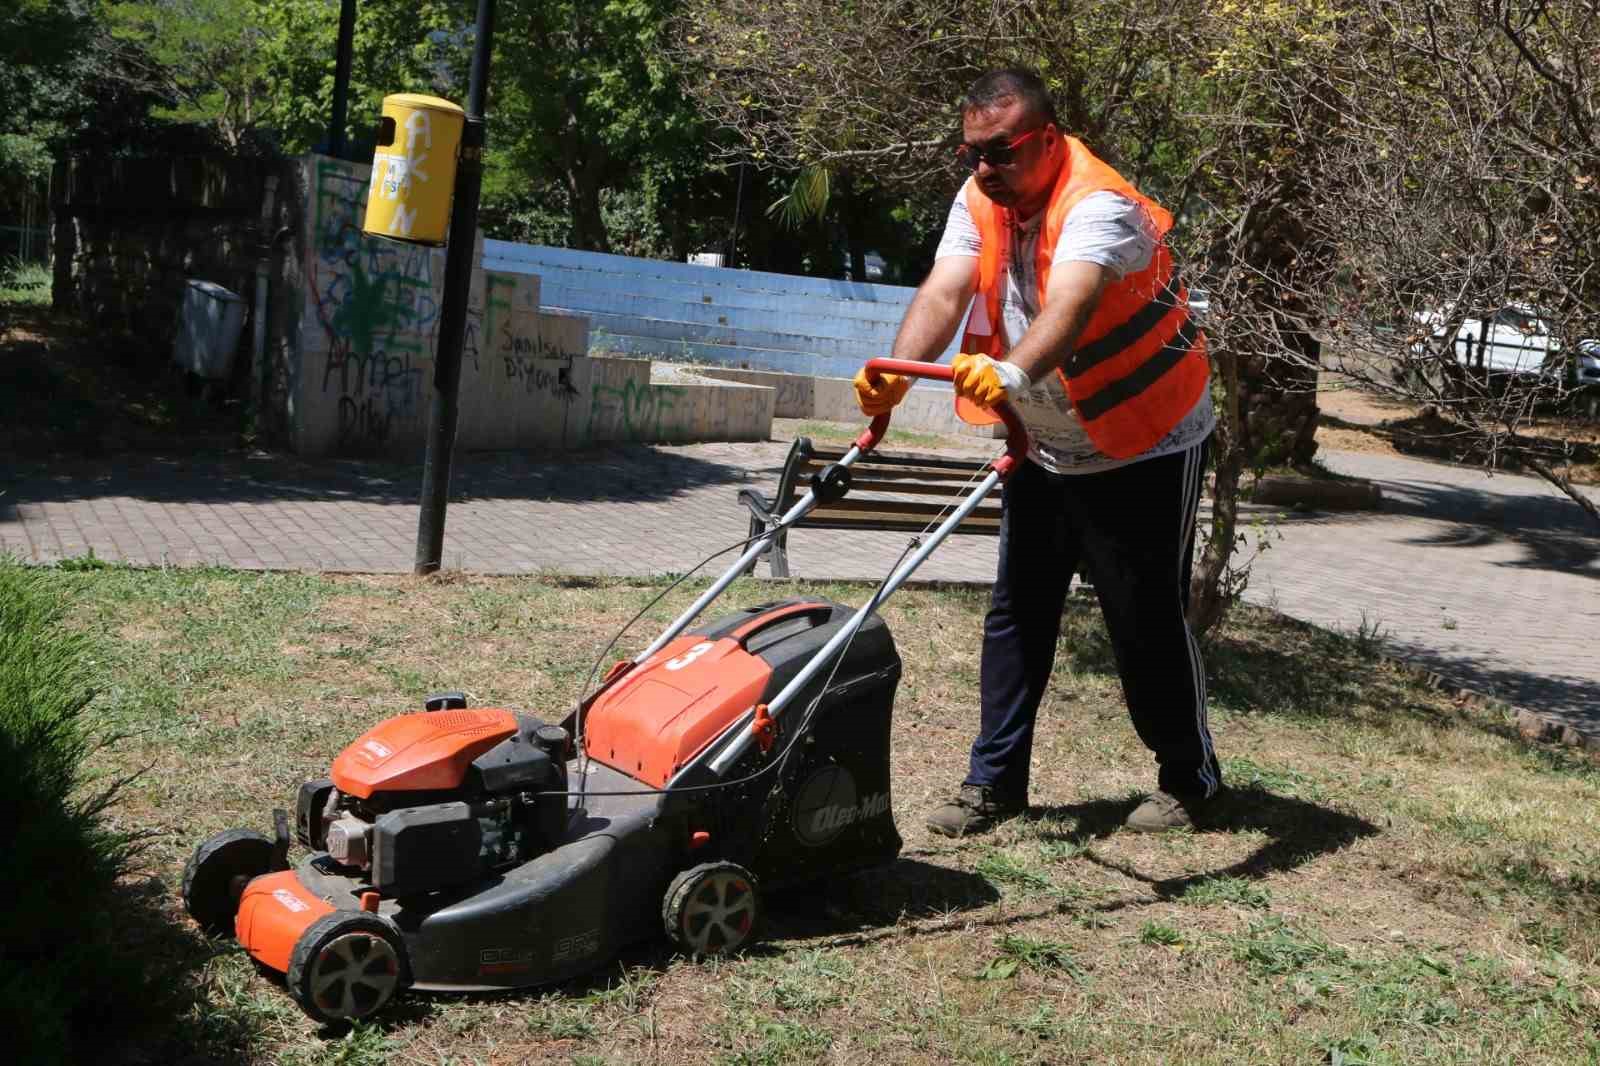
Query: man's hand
point(878, 397)
point(986, 381)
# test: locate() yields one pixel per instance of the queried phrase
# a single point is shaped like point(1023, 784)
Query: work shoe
point(976, 809)
point(1162, 811)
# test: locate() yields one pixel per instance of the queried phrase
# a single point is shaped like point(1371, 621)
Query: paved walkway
point(1490, 581)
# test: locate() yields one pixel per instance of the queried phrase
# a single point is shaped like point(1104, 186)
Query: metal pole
point(453, 314)
point(738, 209)
point(742, 737)
point(805, 505)
point(341, 77)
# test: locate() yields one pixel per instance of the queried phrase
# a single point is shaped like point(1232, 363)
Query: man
point(1080, 321)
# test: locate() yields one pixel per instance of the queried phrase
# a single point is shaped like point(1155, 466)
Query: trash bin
point(414, 169)
point(208, 330)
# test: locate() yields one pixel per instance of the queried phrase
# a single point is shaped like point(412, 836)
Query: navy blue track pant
point(1134, 528)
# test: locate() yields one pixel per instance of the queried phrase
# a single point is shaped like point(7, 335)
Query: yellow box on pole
point(414, 169)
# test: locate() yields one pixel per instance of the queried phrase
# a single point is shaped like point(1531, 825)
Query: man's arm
point(936, 310)
point(1073, 294)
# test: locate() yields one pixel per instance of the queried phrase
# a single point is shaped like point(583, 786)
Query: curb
point(1318, 494)
point(1536, 727)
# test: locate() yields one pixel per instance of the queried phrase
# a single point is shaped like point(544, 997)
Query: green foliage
point(206, 52)
point(24, 283)
point(265, 67)
point(1237, 890)
point(1020, 950)
point(1272, 947)
point(587, 95)
point(1159, 933)
point(63, 978)
point(38, 42)
point(807, 198)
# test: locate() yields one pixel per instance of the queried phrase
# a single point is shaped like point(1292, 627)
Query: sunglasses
point(1000, 155)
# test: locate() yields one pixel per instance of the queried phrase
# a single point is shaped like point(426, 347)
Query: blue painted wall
point(740, 318)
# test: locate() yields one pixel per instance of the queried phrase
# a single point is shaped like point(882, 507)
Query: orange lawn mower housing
point(444, 850)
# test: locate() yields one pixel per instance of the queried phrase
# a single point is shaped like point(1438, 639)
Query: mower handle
point(1016, 432)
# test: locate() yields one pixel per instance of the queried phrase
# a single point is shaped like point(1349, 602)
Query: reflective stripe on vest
point(1139, 365)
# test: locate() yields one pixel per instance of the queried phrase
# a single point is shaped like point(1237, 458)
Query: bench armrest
point(760, 506)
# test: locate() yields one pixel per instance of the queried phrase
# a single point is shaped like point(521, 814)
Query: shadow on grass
point(876, 904)
point(906, 889)
point(172, 1018)
point(1298, 833)
point(1264, 663)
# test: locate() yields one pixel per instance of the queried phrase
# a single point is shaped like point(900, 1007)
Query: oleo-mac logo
point(827, 805)
point(375, 751)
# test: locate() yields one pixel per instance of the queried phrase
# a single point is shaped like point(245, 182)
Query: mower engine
point(428, 801)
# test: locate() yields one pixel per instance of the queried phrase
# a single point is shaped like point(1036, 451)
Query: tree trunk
point(588, 225)
point(1278, 382)
point(1215, 583)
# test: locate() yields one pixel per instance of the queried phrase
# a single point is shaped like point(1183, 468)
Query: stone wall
point(929, 406)
point(128, 233)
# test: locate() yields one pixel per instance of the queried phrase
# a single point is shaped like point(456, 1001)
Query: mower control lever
point(1016, 432)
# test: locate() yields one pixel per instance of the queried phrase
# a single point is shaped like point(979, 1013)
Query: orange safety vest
point(1139, 366)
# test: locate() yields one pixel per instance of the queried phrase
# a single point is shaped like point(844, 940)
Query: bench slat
point(906, 507)
point(889, 523)
point(921, 489)
point(942, 490)
point(900, 460)
point(897, 473)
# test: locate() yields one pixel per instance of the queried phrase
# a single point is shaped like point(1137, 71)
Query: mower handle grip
point(1016, 432)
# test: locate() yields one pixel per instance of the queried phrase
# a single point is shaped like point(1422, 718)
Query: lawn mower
point(478, 848)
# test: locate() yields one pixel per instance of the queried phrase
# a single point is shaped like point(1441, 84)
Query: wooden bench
point(891, 492)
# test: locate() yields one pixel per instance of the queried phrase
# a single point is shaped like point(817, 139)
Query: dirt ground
point(1357, 420)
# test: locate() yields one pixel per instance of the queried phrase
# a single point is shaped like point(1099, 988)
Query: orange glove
point(879, 398)
point(987, 381)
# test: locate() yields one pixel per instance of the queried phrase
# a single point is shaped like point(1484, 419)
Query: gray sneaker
point(976, 809)
point(1162, 811)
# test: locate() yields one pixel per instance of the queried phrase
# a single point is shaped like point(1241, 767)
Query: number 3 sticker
point(690, 656)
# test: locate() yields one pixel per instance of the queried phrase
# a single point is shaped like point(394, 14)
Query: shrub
point(62, 976)
point(24, 283)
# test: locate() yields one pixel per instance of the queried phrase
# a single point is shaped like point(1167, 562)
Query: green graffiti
point(497, 308)
point(635, 412)
point(375, 307)
point(371, 296)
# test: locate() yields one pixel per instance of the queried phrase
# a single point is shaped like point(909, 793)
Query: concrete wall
point(735, 318)
point(929, 406)
point(364, 334)
point(625, 405)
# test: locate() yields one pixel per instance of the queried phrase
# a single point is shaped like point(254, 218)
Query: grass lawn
point(1397, 879)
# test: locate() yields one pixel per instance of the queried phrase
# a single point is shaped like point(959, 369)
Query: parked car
point(1584, 380)
point(1512, 340)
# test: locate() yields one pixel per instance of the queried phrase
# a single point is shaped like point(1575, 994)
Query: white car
point(1586, 371)
point(1513, 340)
point(1584, 384)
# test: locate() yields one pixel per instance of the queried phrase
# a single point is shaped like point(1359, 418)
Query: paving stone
point(1489, 581)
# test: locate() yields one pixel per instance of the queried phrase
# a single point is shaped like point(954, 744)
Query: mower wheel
point(346, 966)
point(217, 872)
point(711, 909)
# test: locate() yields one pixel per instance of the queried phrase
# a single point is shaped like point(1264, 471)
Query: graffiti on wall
point(377, 306)
point(638, 412)
point(538, 367)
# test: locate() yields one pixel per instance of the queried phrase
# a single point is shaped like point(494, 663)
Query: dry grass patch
point(1394, 878)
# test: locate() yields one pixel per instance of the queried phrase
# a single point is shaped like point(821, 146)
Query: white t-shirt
point(1104, 228)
